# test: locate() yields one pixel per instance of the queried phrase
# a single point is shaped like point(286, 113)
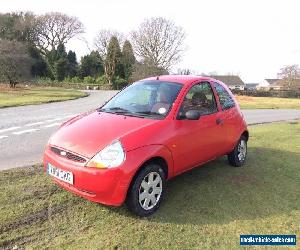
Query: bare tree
point(289, 74)
point(15, 63)
point(160, 41)
point(184, 72)
point(102, 39)
point(54, 29)
point(146, 69)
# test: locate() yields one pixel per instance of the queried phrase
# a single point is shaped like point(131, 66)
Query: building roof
point(272, 81)
point(283, 83)
point(251, 85)
point(229, 80)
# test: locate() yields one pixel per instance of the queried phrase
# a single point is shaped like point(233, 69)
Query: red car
point(151, 131)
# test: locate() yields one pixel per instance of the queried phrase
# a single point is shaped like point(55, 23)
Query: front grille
point(68, 155)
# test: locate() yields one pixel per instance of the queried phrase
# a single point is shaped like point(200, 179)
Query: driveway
point(25, 130)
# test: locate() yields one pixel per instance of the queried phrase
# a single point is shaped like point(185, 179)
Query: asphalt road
point(24, 131)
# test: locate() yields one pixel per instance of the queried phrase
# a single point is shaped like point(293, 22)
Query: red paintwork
point(183, 144)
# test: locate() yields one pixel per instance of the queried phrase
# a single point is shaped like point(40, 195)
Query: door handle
point(219, 121)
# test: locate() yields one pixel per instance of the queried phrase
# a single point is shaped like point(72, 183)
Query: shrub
point(101, 80)
point(75, 79)
point(119, 83)
point(89, 80)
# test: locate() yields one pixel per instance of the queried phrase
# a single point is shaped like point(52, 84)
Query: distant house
point(251, 86)
point(283, 84)
point(268, 84)
point(232, 81)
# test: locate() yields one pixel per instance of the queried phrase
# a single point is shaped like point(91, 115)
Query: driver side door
point(197, 141)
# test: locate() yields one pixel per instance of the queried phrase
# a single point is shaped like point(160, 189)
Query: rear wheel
point(237, 156)
point(147, 190)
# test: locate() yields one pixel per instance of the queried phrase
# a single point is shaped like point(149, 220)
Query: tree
point(72, 66)
point(58, 62)
point(20, 26)
point(112, 63)
point(55, 29)
point(60, 68)
point(91, 65)
point(107, 44)
point(128, 59)
point(160, 41)
point(15, 62)
point(39, 65)
point(289, 74)
point(184, 72)
point(146, 69)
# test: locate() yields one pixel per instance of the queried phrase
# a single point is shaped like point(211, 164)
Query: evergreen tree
point(39, 66)
point(128, 59)
point(91, 65)
point(113, 62)
point(72, 66)
point(60, 68)
point(58, 58)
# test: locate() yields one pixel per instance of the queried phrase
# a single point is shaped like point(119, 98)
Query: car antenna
point(157, 78)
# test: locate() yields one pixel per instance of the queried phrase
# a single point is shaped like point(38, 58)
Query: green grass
point(26, 96)
point(206, 208)
point(251, 102)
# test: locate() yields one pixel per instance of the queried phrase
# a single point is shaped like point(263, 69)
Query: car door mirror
point(181, 116)
point(192, 115)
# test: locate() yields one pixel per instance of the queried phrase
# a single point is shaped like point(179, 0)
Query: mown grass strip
point(35, 95)
point(251, 102)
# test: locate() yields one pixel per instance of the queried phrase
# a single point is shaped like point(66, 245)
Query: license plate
point(62, 175)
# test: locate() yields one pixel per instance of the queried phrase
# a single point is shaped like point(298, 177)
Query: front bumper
point(107, 186)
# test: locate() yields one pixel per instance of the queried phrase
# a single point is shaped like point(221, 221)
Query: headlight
point(110, 157)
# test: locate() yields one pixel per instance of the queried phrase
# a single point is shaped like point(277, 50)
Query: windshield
point(152, 99)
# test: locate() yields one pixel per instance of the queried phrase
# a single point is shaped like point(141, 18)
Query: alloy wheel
point(242, 150)
point(150, 190)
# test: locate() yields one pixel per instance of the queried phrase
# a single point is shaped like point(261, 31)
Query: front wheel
point(146, 191)
point(237, 156)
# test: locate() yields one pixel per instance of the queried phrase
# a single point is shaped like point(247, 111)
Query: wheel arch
point(246, 134)
point(153, 160)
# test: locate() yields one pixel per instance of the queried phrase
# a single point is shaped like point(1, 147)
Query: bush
point(101, 80)
point(119, 83)
point(44, 80)
point(71, 80)
point(89, 80)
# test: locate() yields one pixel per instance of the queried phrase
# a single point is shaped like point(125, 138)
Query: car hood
point(89, 133)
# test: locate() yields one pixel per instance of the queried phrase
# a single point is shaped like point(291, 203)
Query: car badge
point(63, 153)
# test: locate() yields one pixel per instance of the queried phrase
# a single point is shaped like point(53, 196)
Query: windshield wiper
point(116, 110)
point(119, 110)
point(148, 113)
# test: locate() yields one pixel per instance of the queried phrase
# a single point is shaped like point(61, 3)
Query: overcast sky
point(253, 38)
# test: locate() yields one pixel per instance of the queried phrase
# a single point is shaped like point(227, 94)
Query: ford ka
point(149, 132)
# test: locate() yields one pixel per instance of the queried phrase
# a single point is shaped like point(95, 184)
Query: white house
point(232, 81)
point(267, 83)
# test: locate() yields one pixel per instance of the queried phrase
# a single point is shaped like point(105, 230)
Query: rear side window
point(225, 99)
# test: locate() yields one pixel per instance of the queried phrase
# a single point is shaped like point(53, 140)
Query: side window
point(225, 99)
point(200, 97)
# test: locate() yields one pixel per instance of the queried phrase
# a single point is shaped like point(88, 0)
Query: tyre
point(237, 156)
point(146, 191)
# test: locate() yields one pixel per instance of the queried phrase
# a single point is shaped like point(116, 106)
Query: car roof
point(183, 79)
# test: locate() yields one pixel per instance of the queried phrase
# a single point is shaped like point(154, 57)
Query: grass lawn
point(36, 95)
point(251, 102)
point(206, 208)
